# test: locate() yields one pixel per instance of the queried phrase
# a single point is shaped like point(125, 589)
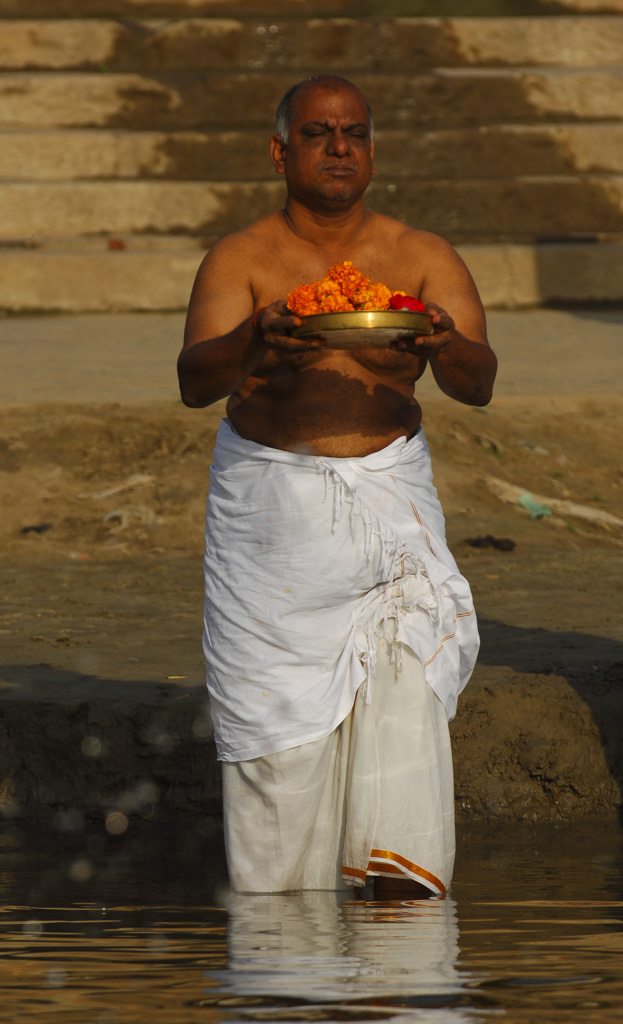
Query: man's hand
point(429, 345)
point(274, 325)
point(466, 369)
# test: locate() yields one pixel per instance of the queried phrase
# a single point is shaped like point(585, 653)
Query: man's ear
point(278, 154)
point(372, 156)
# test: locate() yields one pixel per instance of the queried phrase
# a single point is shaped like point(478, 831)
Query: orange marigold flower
point(343, 288)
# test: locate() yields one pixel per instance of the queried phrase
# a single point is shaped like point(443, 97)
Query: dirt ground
point(102, 704)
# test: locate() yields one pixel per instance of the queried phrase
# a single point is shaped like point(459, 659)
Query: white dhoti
point(375, 797)
point(338, 633)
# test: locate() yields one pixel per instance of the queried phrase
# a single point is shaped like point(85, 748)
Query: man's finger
point(290, 321)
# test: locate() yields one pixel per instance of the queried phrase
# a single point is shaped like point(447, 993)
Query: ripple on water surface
point(141, 926)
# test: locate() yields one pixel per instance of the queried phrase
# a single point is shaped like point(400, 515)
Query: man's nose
point(339, 144)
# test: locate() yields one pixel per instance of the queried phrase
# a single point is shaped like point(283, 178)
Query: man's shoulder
point(405, 236)
point(248, 241)
point(237, 256)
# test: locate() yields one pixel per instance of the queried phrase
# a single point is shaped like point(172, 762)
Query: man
point(338, 630)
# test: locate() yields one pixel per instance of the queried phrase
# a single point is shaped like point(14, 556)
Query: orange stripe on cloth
point(387, 855)
point(358, 876)
point(417, 516)
point(459, 615)
point(440, 648)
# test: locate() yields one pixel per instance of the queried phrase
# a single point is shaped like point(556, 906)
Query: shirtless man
point(300, 396)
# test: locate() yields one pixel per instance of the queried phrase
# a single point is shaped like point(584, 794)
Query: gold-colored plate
point(361, 328)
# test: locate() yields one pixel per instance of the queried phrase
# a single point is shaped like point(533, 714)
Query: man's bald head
point(329, 83)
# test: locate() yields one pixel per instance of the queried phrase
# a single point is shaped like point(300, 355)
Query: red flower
point(400, 301)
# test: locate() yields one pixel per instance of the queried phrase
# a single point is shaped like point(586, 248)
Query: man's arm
point(222, 344)
point(461, 360)
point(221, 347)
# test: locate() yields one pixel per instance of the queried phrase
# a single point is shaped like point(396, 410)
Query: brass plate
point(361, 328)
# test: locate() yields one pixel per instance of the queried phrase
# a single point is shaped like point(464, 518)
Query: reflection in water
point(533, 934)
point(317, 946)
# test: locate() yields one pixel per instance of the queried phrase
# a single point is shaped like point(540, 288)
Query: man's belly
point(335, 405)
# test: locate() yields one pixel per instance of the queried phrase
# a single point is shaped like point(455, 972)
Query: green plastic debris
point(536, 510)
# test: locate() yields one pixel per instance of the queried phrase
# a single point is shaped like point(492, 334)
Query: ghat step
point(491, 151)
point(299, 8)
point(370, 44)
point(194, 102)
point(151, 132)
point(508, 276)
point(526, 208)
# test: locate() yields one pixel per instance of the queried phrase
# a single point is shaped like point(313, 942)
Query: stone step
point(451, 97)
point(494, 151)
point(193, 8)
point(64, 209)
point(508, 276)
point(301, 8)
point(103, 99)
point(591, 6)
point(65, 281)
point(523, 209)
point(119, 241)
point(368, 44)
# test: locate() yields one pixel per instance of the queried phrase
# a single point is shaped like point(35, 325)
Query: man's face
point(328, 160)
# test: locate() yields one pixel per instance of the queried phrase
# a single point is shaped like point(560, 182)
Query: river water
point(141, 926)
